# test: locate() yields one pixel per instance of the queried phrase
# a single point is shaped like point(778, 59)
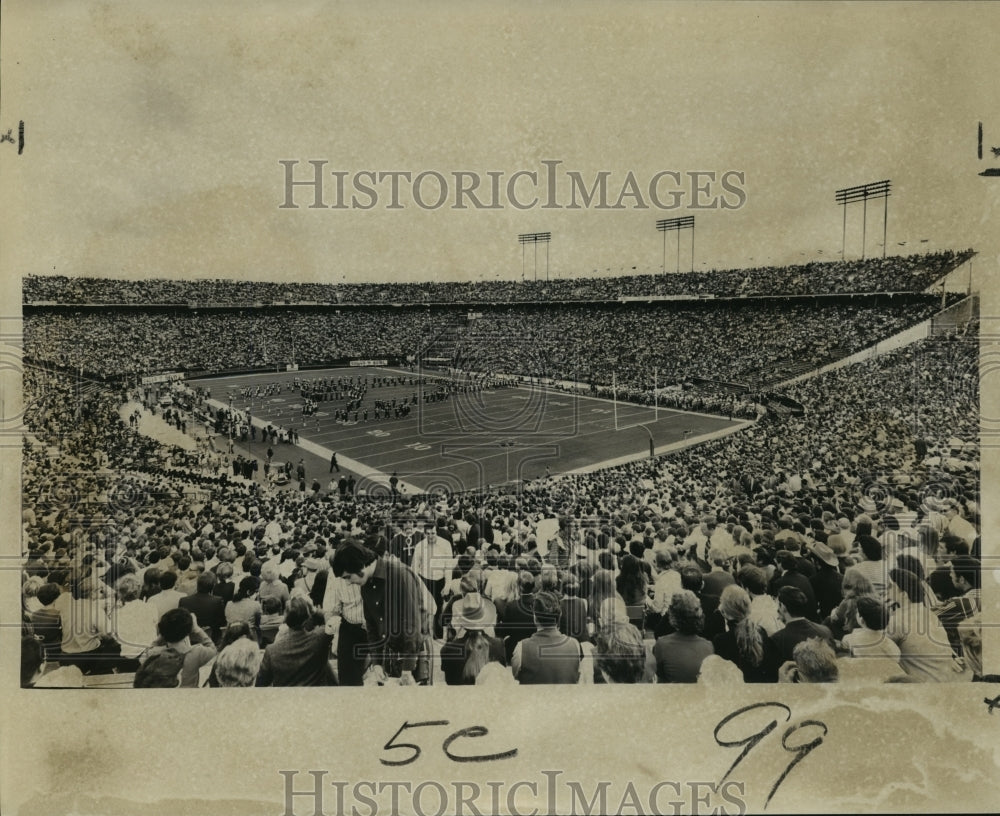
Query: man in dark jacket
point(208, 609)
point(301, 657)
point(793, 606)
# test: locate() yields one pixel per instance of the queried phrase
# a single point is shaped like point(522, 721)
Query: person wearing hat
point(827, 581)
point(842, 539)
point(473, 617)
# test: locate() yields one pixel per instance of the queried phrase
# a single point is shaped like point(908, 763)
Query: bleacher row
point(753, 341)
point(883, 455)
point(912, 273)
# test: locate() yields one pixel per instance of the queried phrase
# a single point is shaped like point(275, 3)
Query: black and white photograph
point(364, 364)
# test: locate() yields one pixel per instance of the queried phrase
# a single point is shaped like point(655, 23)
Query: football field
point(463, 441)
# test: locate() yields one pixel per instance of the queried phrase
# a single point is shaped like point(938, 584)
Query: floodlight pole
point(666, 225)
point(535, 238)
point(864, 226)
point(862, 192)
point(843, 239)
point(885, 223)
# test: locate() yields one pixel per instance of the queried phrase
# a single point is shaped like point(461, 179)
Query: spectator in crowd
point(745, 642)
point(432, 558)
point(573, 620)
point(301, 655)
point(398, 614)
point(813, 661)
point(631, 585)
point(620, 655)
point(719, 673)
point(966, 574)
point(150, 583)
point(180, 650)
point(238, 631)
point(343, 606)
point(46, 621)
point(679, 655)
point(271, 585)
point(790, 575)
point(464, 657)
point(88, 641)
point(873, 566)
point(843, 619)
point(877, 654)
point(763, 607)
point(716, 579)
point(925, 651)
point(244, 607)
point(224, 587)
point(133, 622)
point(793, 606)
point(271, 620)
point(666, 581)
point(827, 582)
point(168, 597)
point(518, 620)
point(208, 609)
point(238, 664)
point(548, 656)
point(29, 594)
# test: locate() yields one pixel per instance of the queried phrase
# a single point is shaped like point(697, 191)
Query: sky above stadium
point(155, 136)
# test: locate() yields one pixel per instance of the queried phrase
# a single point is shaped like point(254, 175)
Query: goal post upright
point(614, 395)
point(656, 396)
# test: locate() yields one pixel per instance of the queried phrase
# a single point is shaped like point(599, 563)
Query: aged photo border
point(245, 751)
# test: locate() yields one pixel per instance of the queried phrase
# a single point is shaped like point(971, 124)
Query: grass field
point(466, 442)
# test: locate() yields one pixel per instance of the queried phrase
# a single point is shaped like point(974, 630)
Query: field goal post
point(656, 397)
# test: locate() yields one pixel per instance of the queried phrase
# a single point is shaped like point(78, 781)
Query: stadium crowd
point(836, 546)
point(911, 273)
point(591, 344)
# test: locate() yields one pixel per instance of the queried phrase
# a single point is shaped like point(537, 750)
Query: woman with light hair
point(744, 642)
point(602, 587)
point(29, 593)
point(271, 585)
point(133, 621)
point(238, 664)
point(843, 620)
point(87, 641)
point(620, 655)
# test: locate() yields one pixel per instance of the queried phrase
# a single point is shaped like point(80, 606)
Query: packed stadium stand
point(912, 273)
point(868, 490)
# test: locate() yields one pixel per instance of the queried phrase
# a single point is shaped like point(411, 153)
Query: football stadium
point(764, 474)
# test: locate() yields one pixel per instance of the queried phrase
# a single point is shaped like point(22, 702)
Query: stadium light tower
point(862, 192)
point(669, 224)
point(535, 238)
